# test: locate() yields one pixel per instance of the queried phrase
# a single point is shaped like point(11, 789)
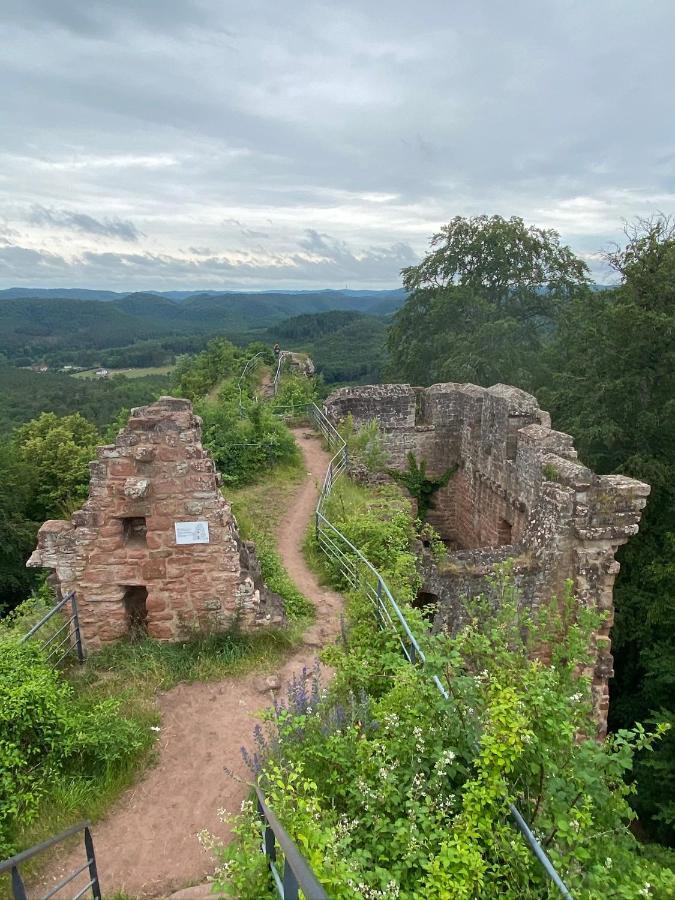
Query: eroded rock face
point(519, 492)
point(123, 555)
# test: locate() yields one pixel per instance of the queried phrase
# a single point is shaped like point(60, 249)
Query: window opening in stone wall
point(427, 603)
point(505, 532)
point(136, 609)
point(135, 530)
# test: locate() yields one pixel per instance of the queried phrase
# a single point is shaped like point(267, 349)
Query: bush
point(244, 440)
point(364, 445)
point(48, 735)
point(295, 394)
point(391, 790)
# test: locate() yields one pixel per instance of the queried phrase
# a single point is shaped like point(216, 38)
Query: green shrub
point(295, 394)
point(47, 735)
point(391, 790)
point(364, 445)
point(244, 440)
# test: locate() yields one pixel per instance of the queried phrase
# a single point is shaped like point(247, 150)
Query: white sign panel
point(192, 532)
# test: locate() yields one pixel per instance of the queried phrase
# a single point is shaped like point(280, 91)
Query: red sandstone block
point(153, 568)
point(121, 467)
point(114, 529)
point(154, 541)
point(159, 523)
point(155, 603)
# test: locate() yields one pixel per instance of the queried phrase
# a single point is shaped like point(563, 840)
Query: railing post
point(290, 883)
point(76, 628)
point(93, 871)
point(269, 841)
point(18, 889)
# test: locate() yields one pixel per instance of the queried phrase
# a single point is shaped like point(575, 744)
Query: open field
point(128, 373)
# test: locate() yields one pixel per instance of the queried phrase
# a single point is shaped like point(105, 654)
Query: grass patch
point(128, 373)
point(260, 509)
point(158, 666)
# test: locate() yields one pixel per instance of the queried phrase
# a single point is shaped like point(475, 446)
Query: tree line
point(498, 301)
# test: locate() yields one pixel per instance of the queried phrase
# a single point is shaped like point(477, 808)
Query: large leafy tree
point(482, 302)
point(612, 385)
point(56, 453)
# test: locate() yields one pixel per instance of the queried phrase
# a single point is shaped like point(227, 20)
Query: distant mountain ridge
point(38, 327)
point(18, 293)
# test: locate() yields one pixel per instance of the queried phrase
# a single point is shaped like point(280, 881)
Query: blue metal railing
point(68, 634)
point(366, 577)
point(13, 865)
point(296, 874)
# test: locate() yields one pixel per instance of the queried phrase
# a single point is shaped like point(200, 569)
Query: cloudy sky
point(282, 144)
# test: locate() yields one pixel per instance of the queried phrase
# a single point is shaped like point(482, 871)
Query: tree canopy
point(483, 302)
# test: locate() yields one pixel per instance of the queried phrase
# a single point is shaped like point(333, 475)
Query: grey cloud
point(63, 218)
point(328, 138)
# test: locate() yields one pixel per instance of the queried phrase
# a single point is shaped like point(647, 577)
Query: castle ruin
point(155, 549)
point(519, 493)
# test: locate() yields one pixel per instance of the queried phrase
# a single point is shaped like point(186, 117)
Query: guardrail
point(13, 864)
point(244, 372)
point(296, 874)
point(366, 577)
point(284, 354)
point(72, 640)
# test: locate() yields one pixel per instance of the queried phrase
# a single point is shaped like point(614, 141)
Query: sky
point(208, 144)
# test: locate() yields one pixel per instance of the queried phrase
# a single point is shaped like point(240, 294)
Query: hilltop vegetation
point(61, 330)
point(395, 791)
point(495, 301)
point(345, 345)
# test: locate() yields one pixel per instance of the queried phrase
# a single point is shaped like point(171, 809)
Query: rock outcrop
point(156, 548)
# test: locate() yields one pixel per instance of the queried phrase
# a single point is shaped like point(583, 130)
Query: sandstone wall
point(519, 486)
point(123, 541)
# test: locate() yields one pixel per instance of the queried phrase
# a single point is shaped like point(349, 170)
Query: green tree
point(17, 531)
point(56, 453)
point(483, 302)
point(612, 385)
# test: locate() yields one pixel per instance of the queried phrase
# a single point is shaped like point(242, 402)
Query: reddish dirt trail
point(147, 846)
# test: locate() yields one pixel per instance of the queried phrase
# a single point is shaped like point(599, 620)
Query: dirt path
point(147, 846)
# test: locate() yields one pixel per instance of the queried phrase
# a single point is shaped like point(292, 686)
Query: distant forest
point(148, 329)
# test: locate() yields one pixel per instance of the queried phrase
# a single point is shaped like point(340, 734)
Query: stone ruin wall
point(520, 492)
point(123, 543)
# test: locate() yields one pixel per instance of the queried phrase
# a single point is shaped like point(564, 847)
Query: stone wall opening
point(135, 601)
point(134, 530)
point(505, 532)
point(427, 603)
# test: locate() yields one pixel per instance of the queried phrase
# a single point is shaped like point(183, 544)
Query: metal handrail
point(244, 373)
point(297, 874)
point(413, 652)
point(18, 887)
point(73, 638)
point(277, 374)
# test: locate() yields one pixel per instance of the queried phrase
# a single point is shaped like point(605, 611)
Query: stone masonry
point(121, 552)
point(520, 492)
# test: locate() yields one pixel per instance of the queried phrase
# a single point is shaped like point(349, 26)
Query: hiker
point(277, 350)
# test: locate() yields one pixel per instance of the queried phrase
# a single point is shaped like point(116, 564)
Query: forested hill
point(34, 327)
point(346, 345)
